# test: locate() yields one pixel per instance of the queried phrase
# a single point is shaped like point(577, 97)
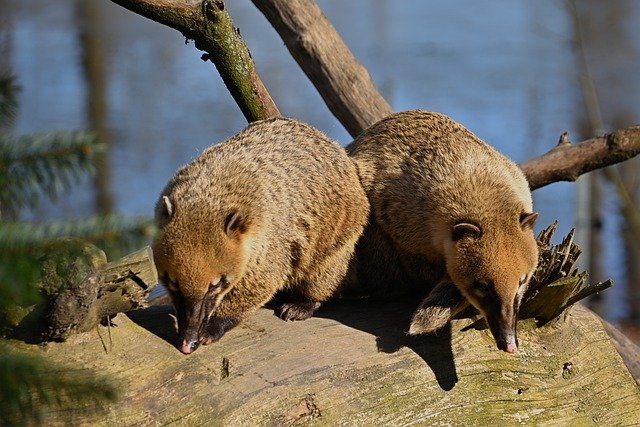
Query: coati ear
point(528, 219)
point(236, 224)
point(166, 210)
point(465, 229)
point(442, 304)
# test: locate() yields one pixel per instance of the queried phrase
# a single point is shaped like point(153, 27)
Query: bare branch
point(210, 26)
point(566, 162)
point(343, 83)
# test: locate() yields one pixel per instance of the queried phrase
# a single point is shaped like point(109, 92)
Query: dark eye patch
point(483, 287)
point(484, 291)
point(215, 288)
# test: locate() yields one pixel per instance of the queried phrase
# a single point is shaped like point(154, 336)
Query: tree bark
point(354, 364)
point(208, 23)
point(344, 84)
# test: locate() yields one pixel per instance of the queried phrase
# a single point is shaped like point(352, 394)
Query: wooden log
point(126, 284)
point(354, 364)
point(629, 351)
point(80, 289)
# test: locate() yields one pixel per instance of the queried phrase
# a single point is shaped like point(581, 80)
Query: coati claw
point(297, 311)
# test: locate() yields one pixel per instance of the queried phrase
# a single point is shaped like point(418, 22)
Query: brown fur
point(277, 207)
point(445, 207)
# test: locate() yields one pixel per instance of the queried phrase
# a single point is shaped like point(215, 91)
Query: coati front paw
point(297, 311)
point(216, 328)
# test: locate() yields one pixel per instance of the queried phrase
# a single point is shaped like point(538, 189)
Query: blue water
point(506, 70)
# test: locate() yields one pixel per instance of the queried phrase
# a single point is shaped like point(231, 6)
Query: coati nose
point(188, 346)
point(509, 344)
point(511, 347)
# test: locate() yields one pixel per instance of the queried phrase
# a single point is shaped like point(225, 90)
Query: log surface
point(354, 364)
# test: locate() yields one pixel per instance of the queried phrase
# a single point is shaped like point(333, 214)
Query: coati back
point(277, 207)
point(445, 208)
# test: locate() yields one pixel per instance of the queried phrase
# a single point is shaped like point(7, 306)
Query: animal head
point(491, 268)
point(200, 254)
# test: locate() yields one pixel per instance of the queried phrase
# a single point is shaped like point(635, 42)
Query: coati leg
point(319, 286)
point(443, 302)
point(297, 310)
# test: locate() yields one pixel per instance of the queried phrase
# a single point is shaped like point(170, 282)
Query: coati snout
point(198, 282)
point(490, 271)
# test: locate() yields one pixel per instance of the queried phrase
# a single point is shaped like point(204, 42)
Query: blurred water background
point(509, 71)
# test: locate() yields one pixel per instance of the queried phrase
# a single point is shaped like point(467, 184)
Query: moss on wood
point(354, 364)
point(79, 289)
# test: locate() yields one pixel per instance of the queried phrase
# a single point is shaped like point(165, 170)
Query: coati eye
point(481, 288)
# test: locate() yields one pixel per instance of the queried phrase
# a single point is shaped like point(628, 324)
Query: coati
point(277, 207)
point(446, 208)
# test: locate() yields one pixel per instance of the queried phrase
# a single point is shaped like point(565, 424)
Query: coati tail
point(443, 302)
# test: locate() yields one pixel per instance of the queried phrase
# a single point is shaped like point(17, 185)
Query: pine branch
point(31, 384)
point(8, 100)
point(48, 163)
point(21, 237)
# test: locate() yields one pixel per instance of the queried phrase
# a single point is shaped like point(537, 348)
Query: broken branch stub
point(79, 289)
point(556, 284)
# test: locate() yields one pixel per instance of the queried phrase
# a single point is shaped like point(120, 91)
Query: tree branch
point(343, 83)
point(210, 26)
point(566, 162)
